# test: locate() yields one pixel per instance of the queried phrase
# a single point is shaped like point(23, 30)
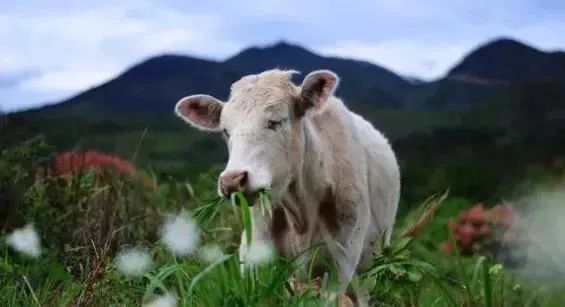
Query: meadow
point(105, 239)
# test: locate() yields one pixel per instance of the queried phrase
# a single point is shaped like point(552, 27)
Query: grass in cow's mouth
point(241, 200)
point(245, 214)
point(265, 202)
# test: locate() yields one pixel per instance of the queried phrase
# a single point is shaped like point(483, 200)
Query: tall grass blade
point(487, 284)
point(207, 270)
point(246, 216)
point(477, 269)
point(461, 270)
point(429, 209)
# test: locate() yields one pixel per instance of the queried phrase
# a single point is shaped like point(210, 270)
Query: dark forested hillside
point(155, 85)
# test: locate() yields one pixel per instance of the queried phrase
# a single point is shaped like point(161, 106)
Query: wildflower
point(180, 234)
point(495, 269)
point(466, 234)
point(26, 241)
point(134, 262)
point(211, 253)
point(256, 253)
point(476, 215)
point(75, 162)
point(165, 300)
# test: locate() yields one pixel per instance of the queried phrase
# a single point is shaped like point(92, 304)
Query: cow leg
point(347, 255)
point(347, 244)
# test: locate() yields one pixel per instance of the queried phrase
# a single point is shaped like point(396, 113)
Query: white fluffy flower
point(180, 234)
point(134, 261)
point(211, 253)
point(257, 253)
point(165, 300)
point(26, 241)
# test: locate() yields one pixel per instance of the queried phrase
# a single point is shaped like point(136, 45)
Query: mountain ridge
point(509, 60)
point(156, 83)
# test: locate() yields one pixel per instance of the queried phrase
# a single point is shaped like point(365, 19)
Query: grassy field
point(106, 240)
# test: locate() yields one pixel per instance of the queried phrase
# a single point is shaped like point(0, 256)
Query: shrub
point(91, 203)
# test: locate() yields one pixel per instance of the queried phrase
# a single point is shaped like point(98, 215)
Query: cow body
point(344, 195)
point(334, 179)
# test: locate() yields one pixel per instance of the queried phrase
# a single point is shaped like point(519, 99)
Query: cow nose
point(233, 181)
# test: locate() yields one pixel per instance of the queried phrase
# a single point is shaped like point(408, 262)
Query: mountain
point(155, 85)
point(360, 81)
point(488, 70)
point(151, 87)
point(506, 60)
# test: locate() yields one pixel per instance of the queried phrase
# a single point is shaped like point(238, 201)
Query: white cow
point(333, 178)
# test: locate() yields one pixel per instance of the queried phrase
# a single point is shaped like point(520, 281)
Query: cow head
point(262, 123)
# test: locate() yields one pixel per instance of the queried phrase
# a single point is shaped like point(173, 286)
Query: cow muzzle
point(237, 181)
point(234, 181)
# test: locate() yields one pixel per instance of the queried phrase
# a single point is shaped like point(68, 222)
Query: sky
point(55, 49)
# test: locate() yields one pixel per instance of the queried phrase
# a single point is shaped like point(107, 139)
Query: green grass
point(85, 221)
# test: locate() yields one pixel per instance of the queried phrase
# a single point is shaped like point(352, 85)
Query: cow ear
point(317, 87)
point(201, 111)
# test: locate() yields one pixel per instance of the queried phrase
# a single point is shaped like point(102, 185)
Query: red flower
point(466, 235)
point(477, 226)
point(477, 214)
point(72, 163)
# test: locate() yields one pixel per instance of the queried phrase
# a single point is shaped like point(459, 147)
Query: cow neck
point(307, 190)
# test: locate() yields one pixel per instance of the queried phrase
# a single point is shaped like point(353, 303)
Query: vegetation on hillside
point(483, 153)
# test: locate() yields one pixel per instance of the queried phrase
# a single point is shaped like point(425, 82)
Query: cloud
point(406, 57)
point(16, 98)
point(79, 48)
point(426, 38)
point(10, 79)
point(67, 79)
point(76, 45)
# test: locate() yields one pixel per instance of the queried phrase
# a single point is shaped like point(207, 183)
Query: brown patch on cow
point(328, 211)
point(292, 188)
point(279, 225)
point(299, 223)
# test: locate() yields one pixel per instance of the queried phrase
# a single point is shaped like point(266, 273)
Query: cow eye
point(273, 124)
point(226, 133)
